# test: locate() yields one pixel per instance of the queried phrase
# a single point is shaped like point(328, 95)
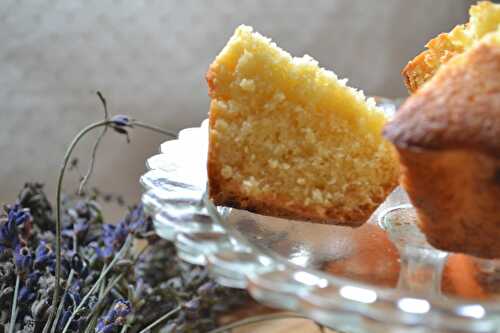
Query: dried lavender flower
point(115, 318)
point(9, 228)
point(23, 259)
point(28, 291)
point(120, 120)
point(44, 256)
point(33, 198)
point(143, 289)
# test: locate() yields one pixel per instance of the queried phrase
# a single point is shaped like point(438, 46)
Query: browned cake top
point(458, 108)
point(484, 19)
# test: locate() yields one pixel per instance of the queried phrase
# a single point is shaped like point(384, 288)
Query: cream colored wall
point(149, 59)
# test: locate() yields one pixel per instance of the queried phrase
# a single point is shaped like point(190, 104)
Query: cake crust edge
point(233, 197)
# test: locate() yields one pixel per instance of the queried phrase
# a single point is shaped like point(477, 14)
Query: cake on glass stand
point(380, 277)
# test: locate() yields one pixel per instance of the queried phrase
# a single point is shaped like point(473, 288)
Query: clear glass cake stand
point(380, 277)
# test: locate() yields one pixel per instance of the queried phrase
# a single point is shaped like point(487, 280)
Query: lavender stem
point(124, 328)
point(61, 304)
point(153, 128)
point(13, 315)
point(105, 293)
point(67, 155)
point(106, 122)
point(162, 318)
point(96, 145)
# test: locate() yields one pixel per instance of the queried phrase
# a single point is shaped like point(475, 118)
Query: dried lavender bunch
point(72, 272)
point(75, 273)
point(137, 291)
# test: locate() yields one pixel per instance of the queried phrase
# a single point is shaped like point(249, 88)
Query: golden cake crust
point(484, 19)
point(424, 66)
point(460, 109)
point(448, 138)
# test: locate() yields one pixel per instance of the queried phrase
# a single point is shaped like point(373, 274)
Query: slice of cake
point(484, 18)
point(289, 139)
point(448, 138)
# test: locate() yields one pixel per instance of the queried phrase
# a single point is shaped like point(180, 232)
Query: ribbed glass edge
point(183, 214)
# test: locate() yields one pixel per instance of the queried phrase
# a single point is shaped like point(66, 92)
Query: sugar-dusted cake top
point(305, 78)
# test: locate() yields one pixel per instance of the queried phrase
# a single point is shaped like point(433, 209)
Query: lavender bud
point(23, 259)
point(122, 308)
point(92, 301)
point(192, 307)
point(102, 327)
point(115, 317)
point(43, 256)
point(18, 215)
point(26, 295)
point(9, 234)
point(82, 209)
point(193, 304)
point(120, 120)
point(206, 288)
point(79, 265)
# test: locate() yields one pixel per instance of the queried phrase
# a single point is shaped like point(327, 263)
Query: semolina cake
point(448, 138)
point(289, 139)
point(484, 18)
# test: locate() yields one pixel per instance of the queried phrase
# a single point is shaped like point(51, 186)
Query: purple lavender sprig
point(11, 240)
point(10, 237)
point(114, 235)
point(115, 318)
point(44, 256)
point(23, 259)
point(119, 124)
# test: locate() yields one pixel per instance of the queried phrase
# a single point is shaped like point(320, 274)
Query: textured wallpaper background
point(149, 59)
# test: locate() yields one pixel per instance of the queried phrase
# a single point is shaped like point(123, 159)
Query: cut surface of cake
point(484, 18)
point(289, 139)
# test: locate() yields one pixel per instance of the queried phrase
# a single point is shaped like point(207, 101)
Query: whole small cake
point(448, 138)
point(484, 18)
point(289, 139)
